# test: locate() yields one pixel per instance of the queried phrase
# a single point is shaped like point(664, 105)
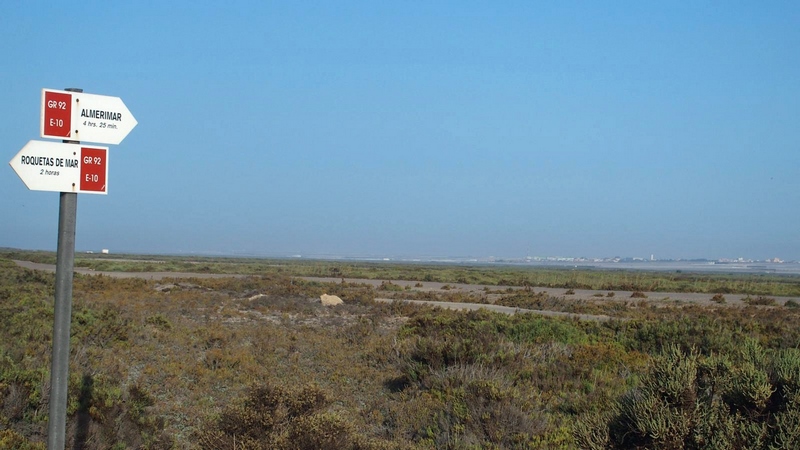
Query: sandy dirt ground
point(498, 308)
point(579, 294)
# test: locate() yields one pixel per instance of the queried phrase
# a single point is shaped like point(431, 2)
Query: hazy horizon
point(409, 257)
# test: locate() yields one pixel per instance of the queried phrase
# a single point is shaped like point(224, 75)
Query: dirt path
point(498, 308)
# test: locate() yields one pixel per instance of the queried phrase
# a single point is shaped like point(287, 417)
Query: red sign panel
point(93, 169)
point(57, 114)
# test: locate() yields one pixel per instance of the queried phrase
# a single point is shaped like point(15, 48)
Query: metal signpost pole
point(59, 372)
point(69, 168)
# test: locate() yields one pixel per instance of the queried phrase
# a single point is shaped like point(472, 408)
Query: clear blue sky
point(421, 128)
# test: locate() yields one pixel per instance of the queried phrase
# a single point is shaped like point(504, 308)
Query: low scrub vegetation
point(746, 399)
point(760, 300)
point(257, 362)
point(496, 275)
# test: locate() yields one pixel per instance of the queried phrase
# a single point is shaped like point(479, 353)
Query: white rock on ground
point(330, 300)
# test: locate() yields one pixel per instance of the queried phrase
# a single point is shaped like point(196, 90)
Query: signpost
point(84, 117)
point(69, 168)
point(59, 167)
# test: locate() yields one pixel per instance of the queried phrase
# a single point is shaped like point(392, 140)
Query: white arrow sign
point(57, 167)
point(77, 116)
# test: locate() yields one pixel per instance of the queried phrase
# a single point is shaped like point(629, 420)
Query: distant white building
point(104, 251)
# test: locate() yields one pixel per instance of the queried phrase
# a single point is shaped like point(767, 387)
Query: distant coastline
point(734, 266)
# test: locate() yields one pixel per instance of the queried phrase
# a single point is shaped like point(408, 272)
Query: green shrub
point(273, 417)
point(159, 321)
point(759, 301)
point(480, 409)
point(11, 440)
point(320, 431)
point(390, 287)
point(744, 400)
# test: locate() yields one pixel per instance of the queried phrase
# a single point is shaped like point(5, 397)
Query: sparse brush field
point(610, 280)
point(259, 363)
